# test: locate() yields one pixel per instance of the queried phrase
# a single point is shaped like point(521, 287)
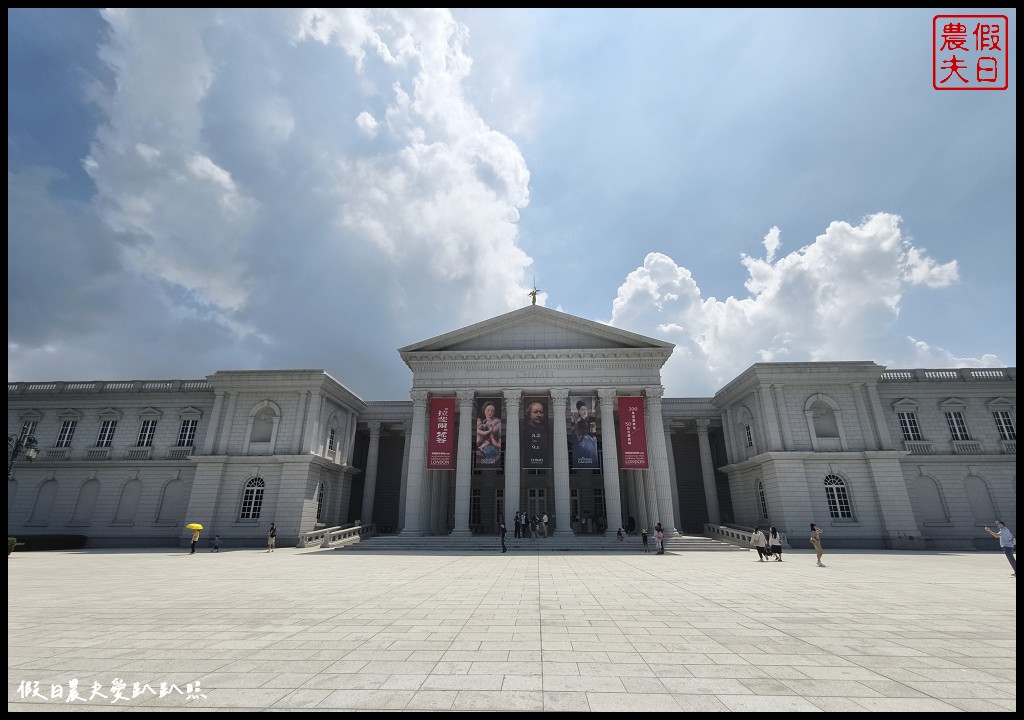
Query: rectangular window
point(908, 426)
point(499, 502)
point(750, 436)
point(67, 431)
point(474, 507)
point(106, 435)
point(187, 433)
point(28, 428)
point(957, 426)
point(1005, 424)
point(763, 500)
point(146, 433)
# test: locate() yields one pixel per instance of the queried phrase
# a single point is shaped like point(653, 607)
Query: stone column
point(436, 511)
point(223, 444)
point(417, 454)
point(677, 521)
point(563, 515)
point(884, 438)
point(370, 481)
point(610, 460)
point(780, 409)
point(311, 432)
point(635, 503)
point(708, 473)
point(867, 428)
point(404, 484)
point(659, 461)
point(771, 419)
point(651, 494)
point(513, 399)
point(210, 444)
point(464, 463)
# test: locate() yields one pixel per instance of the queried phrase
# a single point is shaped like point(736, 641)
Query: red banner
point(632, 433)
point(441, 434)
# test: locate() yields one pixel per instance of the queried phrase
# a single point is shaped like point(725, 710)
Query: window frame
point(252, 499)
point(835, 499)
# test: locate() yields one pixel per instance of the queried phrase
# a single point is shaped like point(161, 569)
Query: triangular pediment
point(536, 328)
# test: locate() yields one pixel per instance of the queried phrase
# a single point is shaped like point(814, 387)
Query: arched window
point(263, 425)
point(837, 497)
point(825, 425)
point(252, 499)
point(929, 501)
point(44, 503)
point(128, 503)
point(980, 499)
point(172, 504)
point(86, 504)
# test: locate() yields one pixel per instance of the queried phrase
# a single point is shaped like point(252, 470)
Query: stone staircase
point(555, 543)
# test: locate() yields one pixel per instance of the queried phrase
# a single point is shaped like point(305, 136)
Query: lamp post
point(17, 446)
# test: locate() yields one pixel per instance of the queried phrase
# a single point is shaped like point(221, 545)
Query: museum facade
point(534, 411)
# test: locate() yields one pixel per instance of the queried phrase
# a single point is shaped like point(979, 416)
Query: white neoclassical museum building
point(534, 411)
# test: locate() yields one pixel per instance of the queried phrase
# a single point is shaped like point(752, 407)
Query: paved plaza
point(312, 629)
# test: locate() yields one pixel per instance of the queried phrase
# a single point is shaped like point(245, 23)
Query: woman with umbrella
point(195, 528)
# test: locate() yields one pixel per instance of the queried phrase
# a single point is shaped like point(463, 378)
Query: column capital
point(607, 393)
point(374, 426)
point(512, 397)
point(654, 392)
point(465, 396)
point(419, 396)
point(702, 425)
point(560, 394)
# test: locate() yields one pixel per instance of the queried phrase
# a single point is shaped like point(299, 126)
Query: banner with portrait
point(583, 428)
point(488, 451)
point(535, 439)
point(632, 434)
point(441, 434)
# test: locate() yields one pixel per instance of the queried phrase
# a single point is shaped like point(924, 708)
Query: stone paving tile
point(501, 700)
point(534, 631)
point(900, 704)
point(767, 703)
point(631, 702)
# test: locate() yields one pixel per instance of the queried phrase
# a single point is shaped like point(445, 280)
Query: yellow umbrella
point(194, 526)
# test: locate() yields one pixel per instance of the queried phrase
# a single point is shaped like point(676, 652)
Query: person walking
point(661, 542)
point(272, 538)
point(1007, 542)
point(760, 543)
point(775, 544)
point(619, 534)
point(516, 525)
point(544, 522)
point(643, 536)
point(503, 531)
point(195, 540)
point(816, 542)
point(216, 544)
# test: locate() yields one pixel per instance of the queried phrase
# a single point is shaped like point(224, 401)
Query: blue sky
point(200, 190)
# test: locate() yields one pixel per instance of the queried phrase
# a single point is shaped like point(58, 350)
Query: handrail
point(736, 534)
point(337, 535)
